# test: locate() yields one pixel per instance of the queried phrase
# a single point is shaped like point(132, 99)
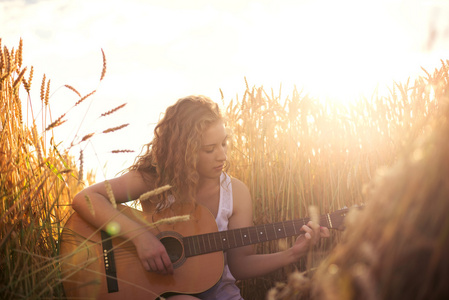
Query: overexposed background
point(159, 51)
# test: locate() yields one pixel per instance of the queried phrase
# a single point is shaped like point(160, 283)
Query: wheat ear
point(84, 98)
point(73, 89)
point(89, 205)
point(81, 170)
point(43, 88)
point(103, 72)
point(56, 123)
point(19, 78)
point(115, 128)
point(110, 193)
point(122, 151)
point(154, 192)
point(19, 54)
point(113, 110)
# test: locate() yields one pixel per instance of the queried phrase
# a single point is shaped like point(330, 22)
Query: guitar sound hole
point(173, 247)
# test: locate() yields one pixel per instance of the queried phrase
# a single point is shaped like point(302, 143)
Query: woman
point(189, 153)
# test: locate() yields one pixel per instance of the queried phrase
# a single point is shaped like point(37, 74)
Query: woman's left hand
point(312, 234)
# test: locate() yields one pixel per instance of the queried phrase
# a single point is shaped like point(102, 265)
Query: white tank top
point(225, 289)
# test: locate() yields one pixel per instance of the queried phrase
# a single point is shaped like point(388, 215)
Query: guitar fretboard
point(224, 240)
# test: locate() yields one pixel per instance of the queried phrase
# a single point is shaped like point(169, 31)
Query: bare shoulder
point(239, 185)
point(242, 205)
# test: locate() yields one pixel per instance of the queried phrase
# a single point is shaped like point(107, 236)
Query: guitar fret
point(253, 234)
point(246, 236)
point(197, 245)
point(329, 221)
point(215, 241)
point(278, 230)
point(259, 233)
point(224, 240)
point(186, 243)
point(204, 245)
point(294, 227)
point(283, 226)
point(192, 242)
point(270, 233)
point(210, 246)
point(235, 239)
point(231, 236)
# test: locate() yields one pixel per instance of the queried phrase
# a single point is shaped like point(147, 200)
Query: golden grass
point(292, 153)
point(37, 183)
point(298, 152)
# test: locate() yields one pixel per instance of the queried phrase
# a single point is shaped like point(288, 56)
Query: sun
point(343, 53)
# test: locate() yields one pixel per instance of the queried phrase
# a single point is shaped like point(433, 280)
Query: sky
point(160, 51)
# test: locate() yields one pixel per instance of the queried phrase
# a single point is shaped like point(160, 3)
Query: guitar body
point(90, 268)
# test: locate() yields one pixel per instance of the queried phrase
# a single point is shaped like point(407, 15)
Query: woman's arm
point(127, 187)
point(243, 262)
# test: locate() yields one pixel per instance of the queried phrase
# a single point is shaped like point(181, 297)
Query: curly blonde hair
point(171, 157)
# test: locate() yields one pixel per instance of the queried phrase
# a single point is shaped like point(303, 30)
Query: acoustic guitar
point(95, 265)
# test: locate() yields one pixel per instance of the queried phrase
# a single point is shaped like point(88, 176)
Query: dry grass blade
point(113, 110)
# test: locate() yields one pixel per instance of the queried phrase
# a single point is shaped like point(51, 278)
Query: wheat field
point(292, 152)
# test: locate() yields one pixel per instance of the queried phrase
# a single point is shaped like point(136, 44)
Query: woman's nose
point(222, 156)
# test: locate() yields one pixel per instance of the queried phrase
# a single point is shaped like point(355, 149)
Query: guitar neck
point(224, 240)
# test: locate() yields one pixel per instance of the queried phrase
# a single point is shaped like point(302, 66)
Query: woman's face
point(212, 155)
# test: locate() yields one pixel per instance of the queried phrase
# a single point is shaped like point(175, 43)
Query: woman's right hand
point(152, 254)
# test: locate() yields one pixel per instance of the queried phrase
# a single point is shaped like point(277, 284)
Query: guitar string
point(129, 250)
